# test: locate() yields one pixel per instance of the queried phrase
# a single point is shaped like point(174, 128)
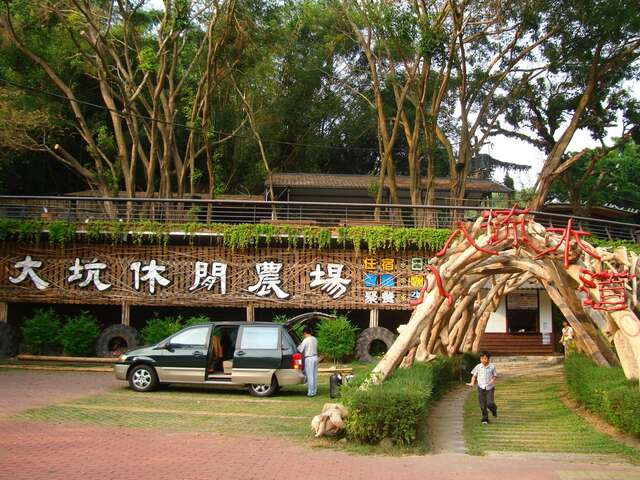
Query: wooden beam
point(374, 318)
point(251, 313)
point(126, 314)
point(4, 309)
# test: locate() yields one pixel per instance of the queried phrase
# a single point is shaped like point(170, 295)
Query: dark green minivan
point(259, 355)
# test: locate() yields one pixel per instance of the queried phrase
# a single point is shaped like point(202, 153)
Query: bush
point(196, 320)
point(604, 391)
point(336, 338)
point(79, 335)
point(396, 409)
point(158, 329)
point(298, 330)
point(40, 333)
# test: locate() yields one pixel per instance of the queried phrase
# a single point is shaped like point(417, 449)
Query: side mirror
point(165, 345)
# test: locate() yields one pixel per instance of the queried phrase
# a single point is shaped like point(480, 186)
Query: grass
point(532, 418)
point(231, 412)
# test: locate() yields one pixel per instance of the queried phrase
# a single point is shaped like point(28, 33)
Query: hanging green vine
point(235, 237)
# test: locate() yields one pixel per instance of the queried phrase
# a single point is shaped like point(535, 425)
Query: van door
point(184, 356)
point(258, 354)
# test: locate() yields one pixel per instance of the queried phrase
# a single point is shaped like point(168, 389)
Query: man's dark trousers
point(485, 398)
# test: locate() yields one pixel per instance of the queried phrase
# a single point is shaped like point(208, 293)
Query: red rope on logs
point(441, 290)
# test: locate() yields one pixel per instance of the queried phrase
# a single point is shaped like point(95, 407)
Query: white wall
point(546, 324)
point(498, 320)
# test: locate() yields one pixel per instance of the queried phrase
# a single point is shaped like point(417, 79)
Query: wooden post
point(4, 308)
point(374, 318)
point(126, 311)
point(251, 313)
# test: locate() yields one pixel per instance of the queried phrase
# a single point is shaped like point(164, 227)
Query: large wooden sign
point(210, 276)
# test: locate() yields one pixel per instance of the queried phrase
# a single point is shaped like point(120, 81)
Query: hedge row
point(396, 408)
point(44, 333)
point(604, 391)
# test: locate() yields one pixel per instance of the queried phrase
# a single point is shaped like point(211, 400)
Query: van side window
point(194, 337)
point(261, 338)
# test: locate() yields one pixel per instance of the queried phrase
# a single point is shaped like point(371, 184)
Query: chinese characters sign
point(210, 276)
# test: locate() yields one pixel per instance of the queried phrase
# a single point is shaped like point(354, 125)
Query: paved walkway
point(37, 450)
point(446, 422)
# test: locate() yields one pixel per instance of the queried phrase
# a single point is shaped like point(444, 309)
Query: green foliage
point(79, 335)
point(611, 181)
point(40, 333)
point(148, 59)
point(396, 408)
point(336, 338)
point(604, 391)
point(613, 244)
point(61, 232)
point(158, 329)
point(196, 320)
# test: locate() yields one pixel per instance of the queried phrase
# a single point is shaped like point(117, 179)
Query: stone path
point(446, 422)
point(446, 419)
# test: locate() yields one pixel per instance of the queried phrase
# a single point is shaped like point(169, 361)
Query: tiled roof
point(334, 180)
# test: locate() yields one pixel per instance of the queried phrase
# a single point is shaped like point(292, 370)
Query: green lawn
point(230, 411)
point(532, 418)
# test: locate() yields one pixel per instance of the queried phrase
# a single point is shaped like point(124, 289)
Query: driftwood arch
point(595, 288)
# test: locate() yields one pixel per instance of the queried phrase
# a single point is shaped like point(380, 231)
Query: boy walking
point(485, 375)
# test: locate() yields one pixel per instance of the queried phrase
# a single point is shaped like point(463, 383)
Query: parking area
point(102, 441)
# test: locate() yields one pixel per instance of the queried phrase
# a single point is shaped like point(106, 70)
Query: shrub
point(336, 338)
point(79, 335)
point(604, 391)
point(397, 407)
point(158, 329)
point(196, 320)
point(40, 333)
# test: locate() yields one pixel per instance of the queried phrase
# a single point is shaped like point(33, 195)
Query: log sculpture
point(595, 288)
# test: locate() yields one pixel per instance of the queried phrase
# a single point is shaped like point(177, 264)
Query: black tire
point(143, 378)
point(9, 340)
point(122, 333)
point(264, 390)
point(367, 337)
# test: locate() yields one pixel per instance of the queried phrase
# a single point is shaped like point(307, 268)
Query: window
point(192, 337)
point(264, 338)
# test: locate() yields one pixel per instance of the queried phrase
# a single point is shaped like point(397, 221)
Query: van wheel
point(264, 389)
point(143, 378)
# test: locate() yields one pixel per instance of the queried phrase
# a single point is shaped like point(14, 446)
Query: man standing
point(485, 374)
point(309, 349)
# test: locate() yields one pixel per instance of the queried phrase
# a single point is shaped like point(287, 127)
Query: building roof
point(597, 211)
point(335, 180)
point(205, 196)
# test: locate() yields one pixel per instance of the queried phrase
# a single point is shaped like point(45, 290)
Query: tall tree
point(577, 81)
point(154, 69)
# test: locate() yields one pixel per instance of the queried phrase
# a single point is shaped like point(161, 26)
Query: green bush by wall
point(41, 333)
point(396, 408)
point(336, 338)
point(158, 329)
point(604, 391)
point(79, 335)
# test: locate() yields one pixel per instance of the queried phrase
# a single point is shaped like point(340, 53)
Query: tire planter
point(121, 334)
point(370, 335)
point(9, 340)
